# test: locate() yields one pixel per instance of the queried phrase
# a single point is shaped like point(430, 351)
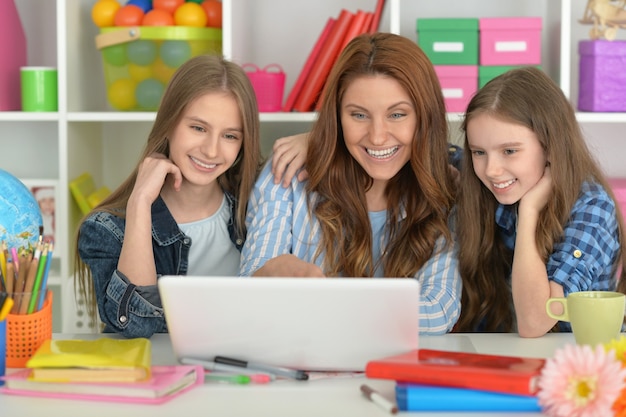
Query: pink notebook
point(166, 383)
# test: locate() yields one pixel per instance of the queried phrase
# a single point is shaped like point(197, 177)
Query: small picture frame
point(46, 194)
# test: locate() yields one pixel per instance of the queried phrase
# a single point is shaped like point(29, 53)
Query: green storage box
point(488, 72)
point(449, 41)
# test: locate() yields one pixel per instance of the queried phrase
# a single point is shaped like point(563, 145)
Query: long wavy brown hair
point(196, 77)
point(423, 187)
point(527, 97)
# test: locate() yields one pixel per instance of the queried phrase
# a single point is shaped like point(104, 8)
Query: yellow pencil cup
point(27, 332)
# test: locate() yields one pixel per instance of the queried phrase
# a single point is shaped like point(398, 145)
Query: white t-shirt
point(212, 252)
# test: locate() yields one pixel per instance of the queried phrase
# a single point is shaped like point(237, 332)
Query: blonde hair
point(196, 77)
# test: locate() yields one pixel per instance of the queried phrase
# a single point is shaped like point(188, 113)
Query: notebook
point(334, 324)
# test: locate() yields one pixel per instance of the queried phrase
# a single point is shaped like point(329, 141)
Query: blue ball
point(20, 216)
point(141, 52)
point(174, 53)
point(148, 93)
point(145, 5)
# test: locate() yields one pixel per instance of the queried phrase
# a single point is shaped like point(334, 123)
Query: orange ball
point(167, 5)
point(190, 14)
point(103, 13)
point(129, 15)
point(213, 10)
point(158, 17)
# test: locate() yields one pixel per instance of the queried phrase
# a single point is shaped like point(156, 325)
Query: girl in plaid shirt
point(536, 217)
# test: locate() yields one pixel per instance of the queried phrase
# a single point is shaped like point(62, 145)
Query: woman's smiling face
point(378, 120)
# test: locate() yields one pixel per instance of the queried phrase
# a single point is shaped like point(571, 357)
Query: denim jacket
point(124, 307)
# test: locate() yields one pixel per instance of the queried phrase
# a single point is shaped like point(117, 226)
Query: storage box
point(458, 84)
point(618, 186)
point(139, 61)
point(602, 76)
point(487, 73)
point(510, 41)
point(449, 41)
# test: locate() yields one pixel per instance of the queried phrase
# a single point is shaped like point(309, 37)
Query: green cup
point(596, 316)
point(39, 88)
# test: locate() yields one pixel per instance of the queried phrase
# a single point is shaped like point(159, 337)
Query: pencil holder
point(26, 332)
point(268, 84)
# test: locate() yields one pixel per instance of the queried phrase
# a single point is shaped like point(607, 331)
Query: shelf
point(111, 116)
point(19, 116)
point(585, 117)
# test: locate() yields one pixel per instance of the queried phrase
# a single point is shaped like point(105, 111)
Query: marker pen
point(288, 373)
point(219, 367)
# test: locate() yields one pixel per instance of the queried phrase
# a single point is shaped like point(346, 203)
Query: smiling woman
point(379, 192)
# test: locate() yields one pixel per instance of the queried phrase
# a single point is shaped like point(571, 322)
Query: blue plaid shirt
point(587, 257)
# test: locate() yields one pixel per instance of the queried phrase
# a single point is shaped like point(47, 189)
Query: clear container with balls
point(143, 42)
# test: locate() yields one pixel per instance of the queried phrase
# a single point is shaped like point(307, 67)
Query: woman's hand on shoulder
point(151, 175)
point(289, 156)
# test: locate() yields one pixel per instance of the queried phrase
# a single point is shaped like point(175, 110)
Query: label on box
point(452, 92)
point(448, 47)
point(516, 46)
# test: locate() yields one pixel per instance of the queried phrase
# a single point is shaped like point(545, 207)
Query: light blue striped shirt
point(279, 223)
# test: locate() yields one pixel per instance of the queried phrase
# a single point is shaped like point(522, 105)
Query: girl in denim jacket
point(182, 210)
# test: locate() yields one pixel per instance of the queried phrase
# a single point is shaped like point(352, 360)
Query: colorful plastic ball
point(148, 94)
point(162, 72)
point(121, 94)
point(129, 15)
point(141, 52)
point(145, 5)
point(140, 72)
point(174, 53)
point(115, 55)
point(213, 10)
point(194, 1)
point(158, 17)
point(103, 13)
point(167, 5)
point(190, 14)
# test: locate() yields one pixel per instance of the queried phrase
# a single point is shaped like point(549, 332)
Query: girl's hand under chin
point(537, 197)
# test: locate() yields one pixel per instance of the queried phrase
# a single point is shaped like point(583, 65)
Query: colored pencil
point(34, 297)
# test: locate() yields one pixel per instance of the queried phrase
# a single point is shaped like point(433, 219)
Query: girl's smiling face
point(208, 138)
point(507, 157)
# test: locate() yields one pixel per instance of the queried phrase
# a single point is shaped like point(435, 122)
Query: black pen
point(288, 373)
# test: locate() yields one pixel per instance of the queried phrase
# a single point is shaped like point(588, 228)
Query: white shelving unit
point(85, 135)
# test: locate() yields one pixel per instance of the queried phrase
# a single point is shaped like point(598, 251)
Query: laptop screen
point(325, 324)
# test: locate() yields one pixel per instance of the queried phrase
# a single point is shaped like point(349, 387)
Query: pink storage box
point(618, 185)
point(602, 76)
point(458, 84)
point(510, 40)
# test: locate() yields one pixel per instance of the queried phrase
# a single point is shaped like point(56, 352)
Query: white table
point(318, 398)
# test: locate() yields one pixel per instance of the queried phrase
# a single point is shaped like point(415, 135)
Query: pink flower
point(580, 382)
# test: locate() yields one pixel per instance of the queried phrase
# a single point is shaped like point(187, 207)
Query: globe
point(20, 217)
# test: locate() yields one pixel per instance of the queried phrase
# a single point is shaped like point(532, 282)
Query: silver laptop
point(332, 324)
